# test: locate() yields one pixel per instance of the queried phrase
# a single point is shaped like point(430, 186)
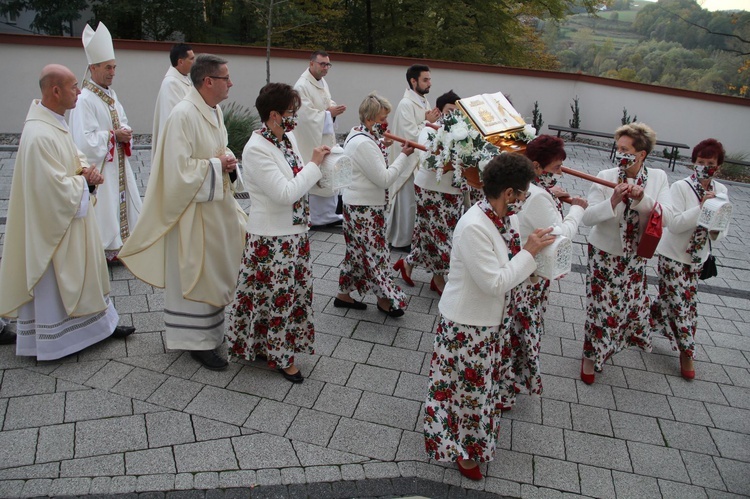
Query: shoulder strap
point(693, 188)
point(355, 135)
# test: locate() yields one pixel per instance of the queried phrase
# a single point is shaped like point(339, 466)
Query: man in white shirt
point(408, 121)
point(174, 87)
point(54, 275)
point(100, 130)
point(315, 128)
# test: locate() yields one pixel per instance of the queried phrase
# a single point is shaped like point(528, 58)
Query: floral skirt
point(617, 310)
point(675, 311)
point(463, 406)
point(475, 195)
point(432, 239)
point(367, 266)
point(529, 305)
point(272, 310)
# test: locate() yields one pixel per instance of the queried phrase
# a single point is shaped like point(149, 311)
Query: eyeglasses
point(324, 64)
point(225, 78)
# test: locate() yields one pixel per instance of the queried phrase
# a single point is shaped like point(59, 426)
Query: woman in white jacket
point(617, 309)
point(543, 208)
point(470, 360)
point(683, 249)
point(366, 267)
point(271, 316)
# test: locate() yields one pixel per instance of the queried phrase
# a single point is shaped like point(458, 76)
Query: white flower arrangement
point(458, 145)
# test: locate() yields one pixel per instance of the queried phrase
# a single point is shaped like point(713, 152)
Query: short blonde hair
point(643, 136)
point(372, 106)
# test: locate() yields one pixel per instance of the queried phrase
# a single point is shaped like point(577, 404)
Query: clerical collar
point(59, 117)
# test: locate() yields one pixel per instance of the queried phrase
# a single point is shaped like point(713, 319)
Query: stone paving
point(131, 416)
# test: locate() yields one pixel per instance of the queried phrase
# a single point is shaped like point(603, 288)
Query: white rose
point(459, 131)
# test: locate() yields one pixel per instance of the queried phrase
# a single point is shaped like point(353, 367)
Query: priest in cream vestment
point(53, 272)
point(408, 121)
point(315, 128)
point(191, 236)
point(101, 131)
point(175, 85)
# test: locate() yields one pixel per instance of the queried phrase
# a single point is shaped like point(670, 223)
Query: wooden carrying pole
point(590, 178)
point(389, 135)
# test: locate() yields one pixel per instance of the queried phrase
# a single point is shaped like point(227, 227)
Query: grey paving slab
point(353, 350)
point(109, 375)
point(631, 486)
point(736, 475)
point(175, 393)
point(676, 489)
point(213, 455)
point(556, 474)
point(36, 487)
point(272, 417)
point(368, 439)
point(596, 482)
point(312, 426)
point(702, 470)
point(208, 429)
point(373, 379)
point(396, 358)
point(147, 483)
point(264, 451)
point(234, 479)
point(70, 487)
point(688, 437)
point(47, 470)
point(109, 465)
point(169, 428)
point(25, 382)
point(639, 402)
point(596, 450)
point(731, 445)
point(223, 405)
point(556, 413)
point(112, 435)
point(260, 382)
point(390, 411)
point(78, 372)
point(139, 383)
point(339, 400)
point(628, 426)
point(150, 462)
point(536, 439)
point(689, 411)
point(95, 404)
point(697, 390)
point(17, 447)
point(729, 418)
point(514, 466)
point(304, 394)
point(34, 411)
point(527, 408)
point(591, 419)
point(597, 395)
point(737, 396)
point(660, 462)
point(55, 443)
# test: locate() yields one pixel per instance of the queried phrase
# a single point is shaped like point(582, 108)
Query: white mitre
point(98, 44)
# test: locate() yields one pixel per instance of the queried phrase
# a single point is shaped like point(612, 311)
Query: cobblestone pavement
point(131, 416)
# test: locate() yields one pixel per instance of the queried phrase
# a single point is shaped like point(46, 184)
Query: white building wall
point(139, 73)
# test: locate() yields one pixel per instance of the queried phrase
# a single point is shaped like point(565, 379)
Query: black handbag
point(709, 266)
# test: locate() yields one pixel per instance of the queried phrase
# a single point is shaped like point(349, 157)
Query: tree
point(52, 17)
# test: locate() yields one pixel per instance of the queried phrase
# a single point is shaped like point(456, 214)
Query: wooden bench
point(676, 146)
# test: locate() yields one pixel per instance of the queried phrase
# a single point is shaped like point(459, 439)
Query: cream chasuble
point(407, 122)
point(174, 87)
point(53, 272)
point(192, 235)
point(119, 202)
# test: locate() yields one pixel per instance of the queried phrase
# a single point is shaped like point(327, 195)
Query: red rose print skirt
point(272, 310)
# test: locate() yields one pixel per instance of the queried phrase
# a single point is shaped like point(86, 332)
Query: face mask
point(624, 161)
point(547, 180)
point(703, 172)
point(288, 123)
point(379, 129)
point(514, 208)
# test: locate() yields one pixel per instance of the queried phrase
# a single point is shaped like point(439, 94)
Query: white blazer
point(481, 273)
point(273, 188)
point(605, 234)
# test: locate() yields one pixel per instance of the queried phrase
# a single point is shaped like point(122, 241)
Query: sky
point(723, 4)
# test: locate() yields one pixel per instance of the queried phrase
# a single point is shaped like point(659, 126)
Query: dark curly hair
point(507, 170)
point(276, 97)
point(546, 149)
point(709, 148)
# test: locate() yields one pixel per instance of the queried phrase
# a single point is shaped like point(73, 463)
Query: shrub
point(240, 122)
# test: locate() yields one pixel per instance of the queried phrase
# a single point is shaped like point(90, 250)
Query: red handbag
point(651, 236)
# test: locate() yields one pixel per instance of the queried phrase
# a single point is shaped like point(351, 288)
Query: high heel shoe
point(401, 265)
point(587, 378)
point(433, 287)
point(470, 473)
point(688, 375)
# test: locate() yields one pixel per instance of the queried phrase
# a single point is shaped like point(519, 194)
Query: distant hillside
point(673, 43)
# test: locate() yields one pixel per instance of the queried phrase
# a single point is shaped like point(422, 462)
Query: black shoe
point(294, 378)
point(335, 223)
point(405, 249)
point(393, 312)
point(7, 337)
point(209, 359)
point(356, 305)
point(123, 331)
